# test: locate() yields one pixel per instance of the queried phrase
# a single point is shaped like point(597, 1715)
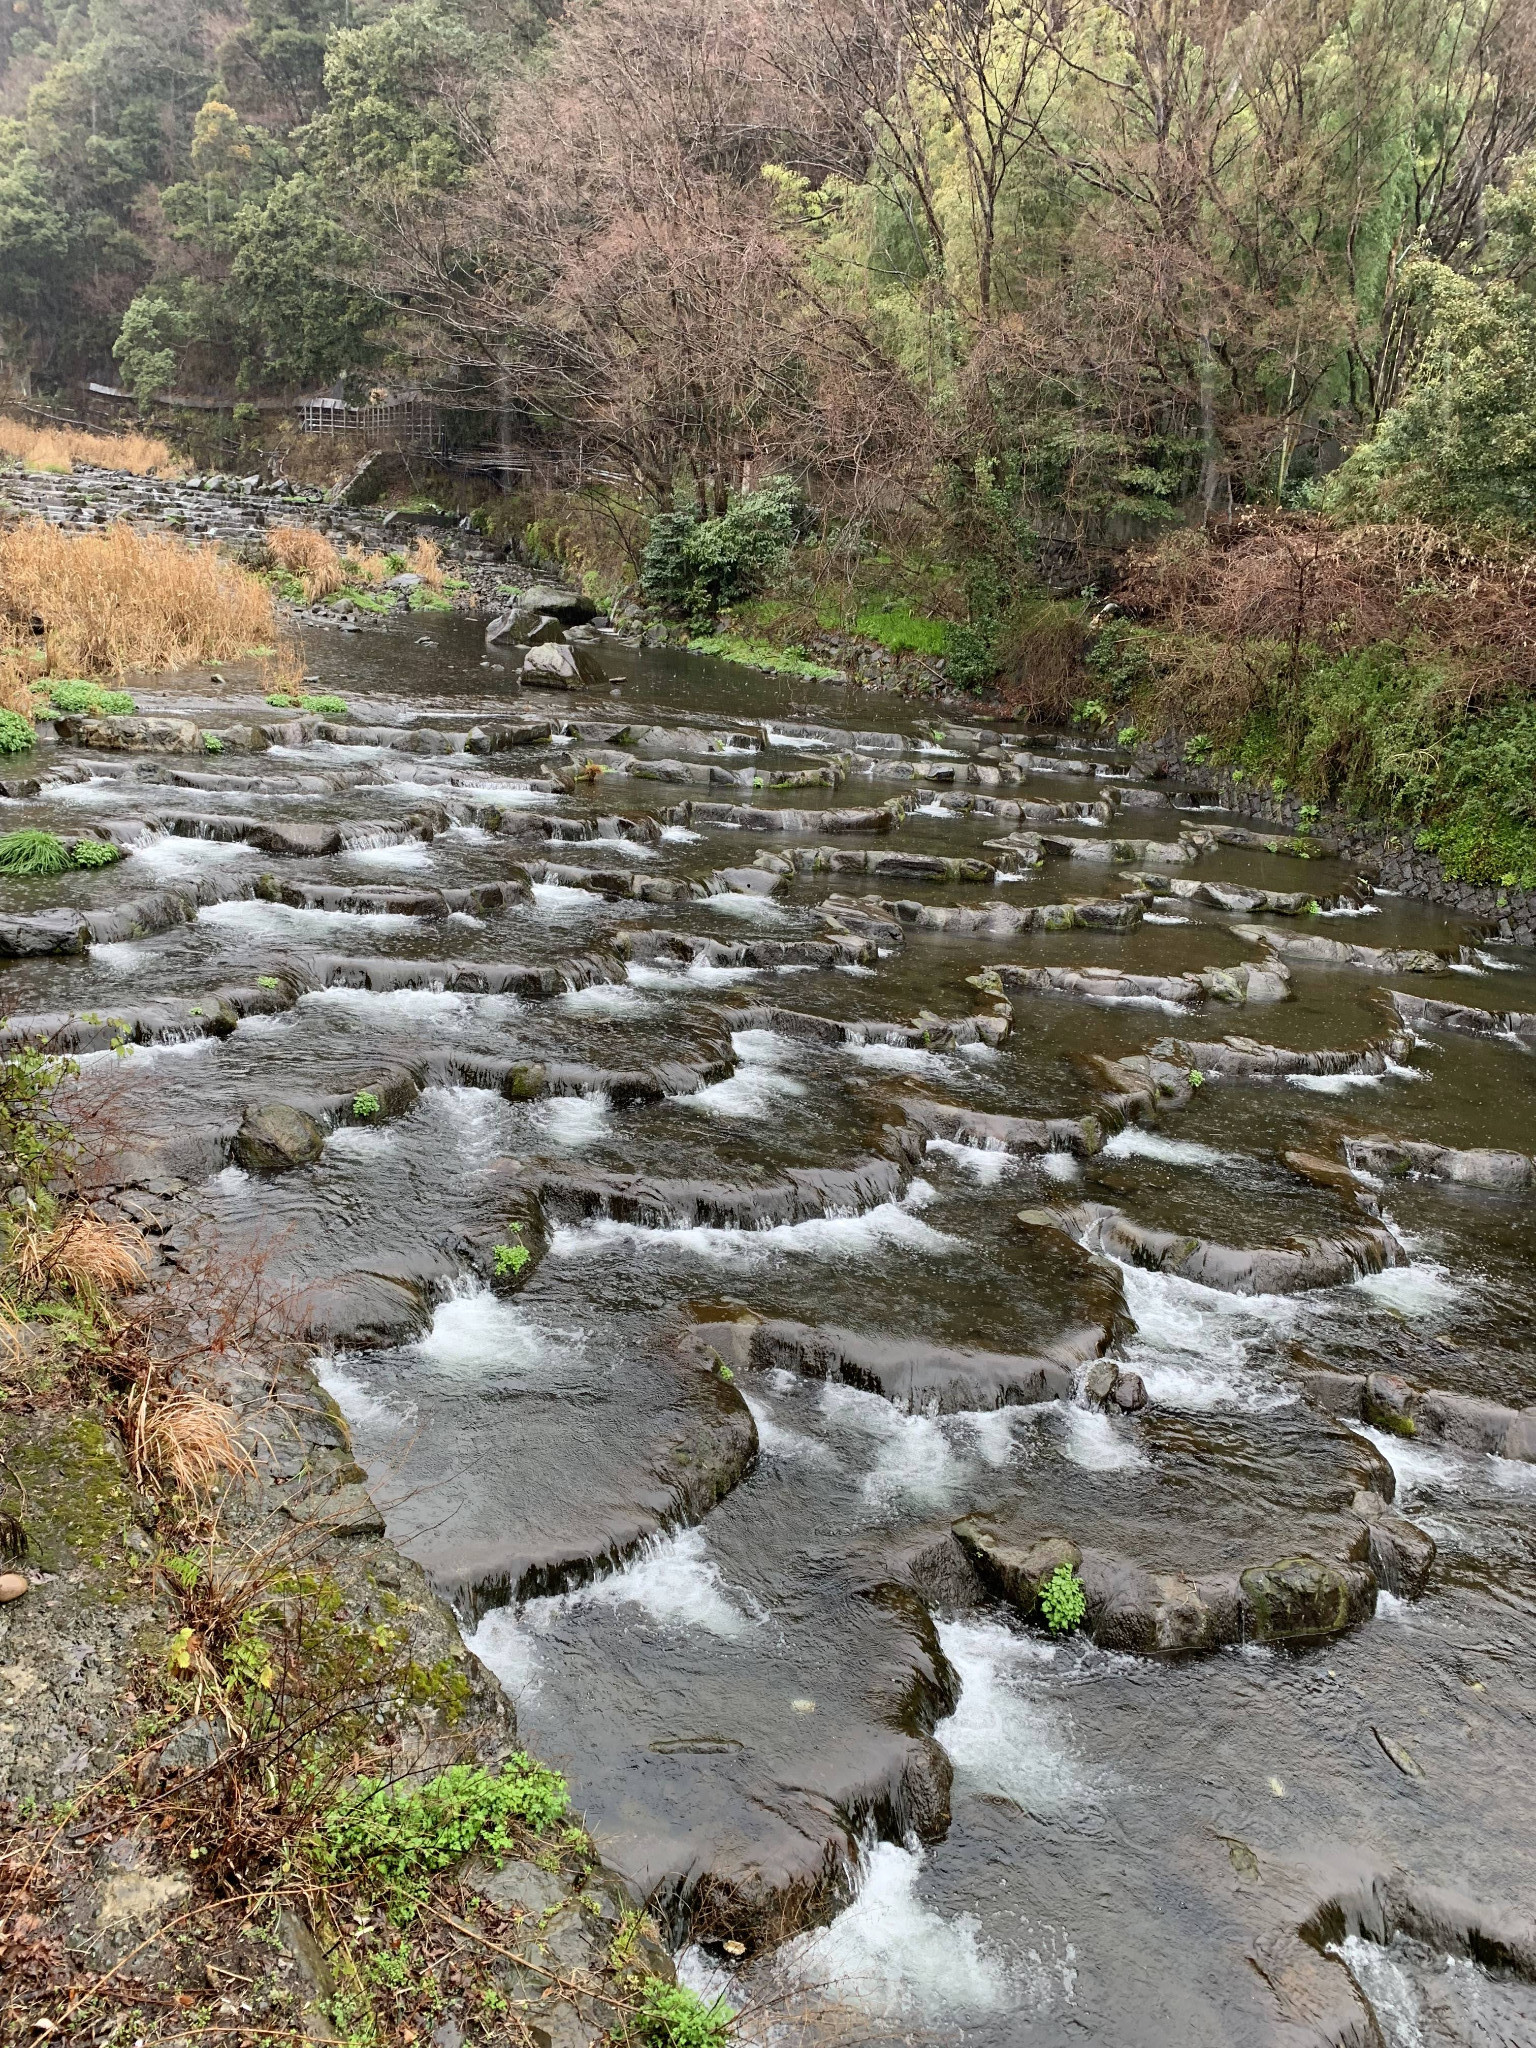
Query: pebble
point(12, 1586)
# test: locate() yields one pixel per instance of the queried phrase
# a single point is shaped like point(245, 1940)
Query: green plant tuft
point(74, 698)
point(365, 1104)
point(96, 853)
point(31, 852)
point(327, 707)
point(394, 1838)
point(672, 2016)
point(16, 733)
point(510, 1258)
point(1063, 1601)
point(212, 744)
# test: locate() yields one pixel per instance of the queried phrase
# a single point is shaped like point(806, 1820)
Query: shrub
point(394, 1838)
point(16, 733)
point(96, 853)
point(968, 658)
point(509, 1259)
point(1063, 1601)
point(697, 566)
point(672, 2016)
point(31, 852)
point(1039, 653)
point(212, 744)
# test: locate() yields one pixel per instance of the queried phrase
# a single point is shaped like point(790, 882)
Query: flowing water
point(711, 1556)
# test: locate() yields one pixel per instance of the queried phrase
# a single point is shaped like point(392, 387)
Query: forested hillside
point(1009, 287)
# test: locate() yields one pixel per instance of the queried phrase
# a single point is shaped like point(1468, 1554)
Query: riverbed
point(882, 1253)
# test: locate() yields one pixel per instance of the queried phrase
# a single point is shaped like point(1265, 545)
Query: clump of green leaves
point(32, 852)
point(1063, 1601)
point(96, 853)
point(284, 703)
point(672, 2016)
point(365, 1104)
point(16, 733)
point(327, 707)
point(395, 1838)
point(510, 1259)
point(75, 698)
point(212, 744)
point(268, 981)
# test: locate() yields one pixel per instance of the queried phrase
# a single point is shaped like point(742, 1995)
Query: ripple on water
point(574, 1122)
point(1192, 1344)
point(259, 920)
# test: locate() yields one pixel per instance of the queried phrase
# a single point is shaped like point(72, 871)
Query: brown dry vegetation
point(103, 603)
point(309, 555)
point(426, 561)
point(60, 448)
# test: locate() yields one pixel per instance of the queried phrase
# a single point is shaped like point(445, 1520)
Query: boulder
point(50, 932)
point(302, 840)
point(559, 666)
point(524, 626)
point(568, 606)
point(275, 1136)
point(1301, 1599)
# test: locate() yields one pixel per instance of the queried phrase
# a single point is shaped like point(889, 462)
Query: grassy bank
point(103, 604)
point(58, 449)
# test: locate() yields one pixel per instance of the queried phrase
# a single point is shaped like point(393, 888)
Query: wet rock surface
point(660, 1245)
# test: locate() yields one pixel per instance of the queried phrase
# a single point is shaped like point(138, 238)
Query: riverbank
point(253, 1783)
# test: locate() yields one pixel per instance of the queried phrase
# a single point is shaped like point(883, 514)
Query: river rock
point(1296, 1268)
point(276, 1136)
point(135, 735)
point(559, 666)
point(1394, 1158)
point(1302, 1599)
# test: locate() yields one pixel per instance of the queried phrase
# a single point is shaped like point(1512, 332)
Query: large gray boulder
point(524, 626)
point(137, 735)
point(555, 666)
point(568, 606)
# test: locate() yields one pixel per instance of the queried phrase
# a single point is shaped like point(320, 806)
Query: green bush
point(969, 660)
point(30, 852)
point(672, 2016)
point(16, 733)
point(695, 566)
point(96, 853)
point(395, 1838)
point(1063, 1601)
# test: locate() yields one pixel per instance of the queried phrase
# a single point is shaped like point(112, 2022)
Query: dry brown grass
point(16, 672)
point(426, 561)
point(90, 1257)
point(310, 556)
point(60, 448)
point(103, 603)
point(182, 1440)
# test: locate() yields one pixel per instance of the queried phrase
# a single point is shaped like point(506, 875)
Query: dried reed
point(89, 1256)
point(183, 1440)
point(60, 448)
point(311, 557)
point(116, 600)
point(426, 561)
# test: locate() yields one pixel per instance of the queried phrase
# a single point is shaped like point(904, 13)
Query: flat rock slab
point(1233, 1531)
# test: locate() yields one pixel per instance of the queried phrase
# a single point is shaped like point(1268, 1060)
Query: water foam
point(1094, 1442)
point(895, 1957)
point(281, 920)
point(1387, 1987)
point(788, 1446)
point(678, 1584)
point(575, 1121)
point(477, 1334)
point(1135, 1143)
point(405, 853)
point(1004, 1737)
point(889, 1226)
point(986, 1164)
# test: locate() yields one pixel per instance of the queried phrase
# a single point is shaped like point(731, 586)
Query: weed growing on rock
point(212, 744)
point(672, 2016)
point(395, 1839)
point(327, 707)
point(511, 1258)
point(364, 1104)
point(30, 852)
point(96, 853)
point(1063, 1601)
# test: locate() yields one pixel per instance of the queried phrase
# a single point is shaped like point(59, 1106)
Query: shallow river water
point(691, 1474)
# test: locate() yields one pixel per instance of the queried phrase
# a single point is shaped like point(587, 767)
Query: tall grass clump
point(310, 558)
point(60, 448)
point(118, 599)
